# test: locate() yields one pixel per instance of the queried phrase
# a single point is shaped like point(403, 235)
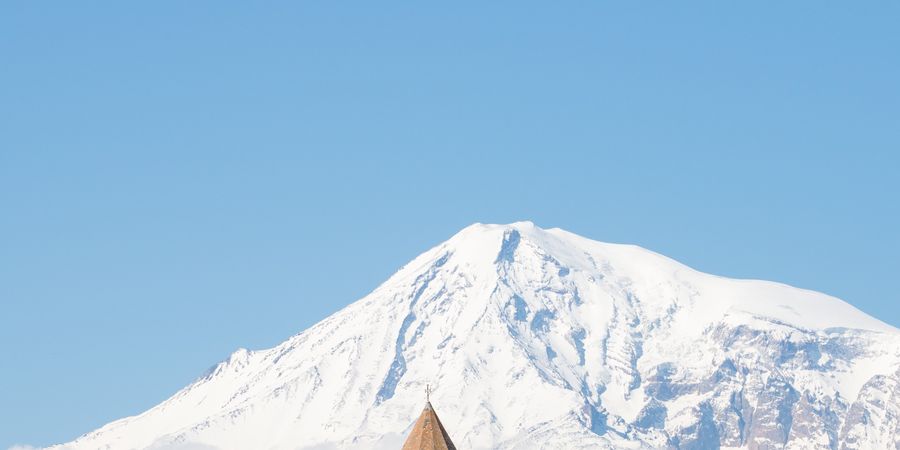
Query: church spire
point(428, 432)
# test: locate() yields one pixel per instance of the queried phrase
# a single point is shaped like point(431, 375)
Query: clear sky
point(180, 179)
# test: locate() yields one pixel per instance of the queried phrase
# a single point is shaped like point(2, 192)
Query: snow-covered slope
point(540, 338)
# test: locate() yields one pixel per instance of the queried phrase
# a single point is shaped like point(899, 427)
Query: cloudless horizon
point(179, 180)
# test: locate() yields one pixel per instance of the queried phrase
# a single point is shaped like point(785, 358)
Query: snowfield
point(542, 339)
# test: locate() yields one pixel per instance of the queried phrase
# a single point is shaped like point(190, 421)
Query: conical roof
point(428, 433)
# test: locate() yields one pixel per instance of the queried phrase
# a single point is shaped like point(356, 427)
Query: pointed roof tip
point(428, 433)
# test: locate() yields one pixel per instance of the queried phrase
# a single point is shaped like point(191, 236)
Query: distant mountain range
point(542, 339)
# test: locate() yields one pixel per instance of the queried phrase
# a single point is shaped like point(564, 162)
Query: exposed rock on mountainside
point(543, 339)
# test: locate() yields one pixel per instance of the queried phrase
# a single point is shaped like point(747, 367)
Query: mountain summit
point(544, 339)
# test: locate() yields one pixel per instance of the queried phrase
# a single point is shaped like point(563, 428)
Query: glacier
point(542, 339)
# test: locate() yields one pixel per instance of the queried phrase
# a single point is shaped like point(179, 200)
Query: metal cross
point(428, 393)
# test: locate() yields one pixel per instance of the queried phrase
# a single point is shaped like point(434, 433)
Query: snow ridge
point(542, 339)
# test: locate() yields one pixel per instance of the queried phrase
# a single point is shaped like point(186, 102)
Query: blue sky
point(180, 179)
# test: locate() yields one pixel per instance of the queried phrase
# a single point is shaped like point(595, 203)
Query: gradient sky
point(180, 179)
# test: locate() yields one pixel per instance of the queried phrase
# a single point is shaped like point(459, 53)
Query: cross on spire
point(428, 433)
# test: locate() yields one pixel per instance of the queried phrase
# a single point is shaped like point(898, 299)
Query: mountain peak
point(485, 248)
point(545, 338)
point(483, 245)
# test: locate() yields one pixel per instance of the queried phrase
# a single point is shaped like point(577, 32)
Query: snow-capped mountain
point(544, 339)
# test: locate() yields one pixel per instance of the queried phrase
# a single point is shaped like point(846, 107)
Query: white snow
point(529, 337)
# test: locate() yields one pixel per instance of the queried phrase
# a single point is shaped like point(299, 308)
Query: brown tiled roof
point(428, 433)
